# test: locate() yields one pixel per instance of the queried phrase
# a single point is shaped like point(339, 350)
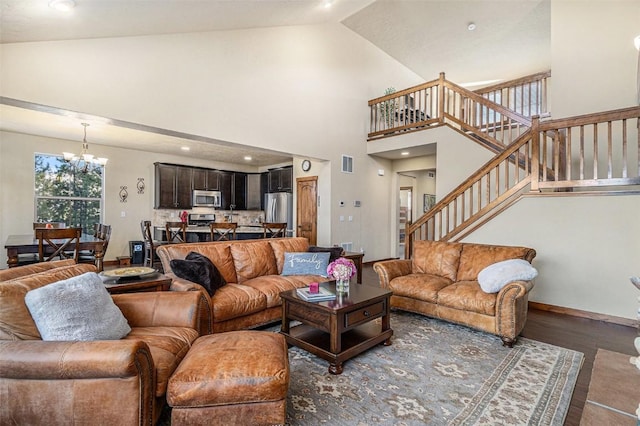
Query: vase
point(342, 285)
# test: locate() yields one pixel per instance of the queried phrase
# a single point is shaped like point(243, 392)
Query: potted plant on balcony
point(387, 109)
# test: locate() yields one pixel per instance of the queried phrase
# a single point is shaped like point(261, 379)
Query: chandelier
point(84, 162)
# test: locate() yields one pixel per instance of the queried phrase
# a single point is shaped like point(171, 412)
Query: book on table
point(322, 295)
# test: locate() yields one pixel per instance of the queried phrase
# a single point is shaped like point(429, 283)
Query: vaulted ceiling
point(427, 36)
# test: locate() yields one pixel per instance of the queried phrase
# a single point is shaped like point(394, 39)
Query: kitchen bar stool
point(176, 232)
point(221, 231)
point(274, 230)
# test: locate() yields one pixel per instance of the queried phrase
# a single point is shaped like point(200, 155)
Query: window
point(65, 194)
point(347, 164)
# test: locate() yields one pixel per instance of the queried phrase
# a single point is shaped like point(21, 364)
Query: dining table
point(28, 243)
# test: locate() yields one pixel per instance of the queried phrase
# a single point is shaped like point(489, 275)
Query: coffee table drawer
point(364, 315)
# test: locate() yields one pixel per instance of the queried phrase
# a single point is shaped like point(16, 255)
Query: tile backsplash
point(241, 217)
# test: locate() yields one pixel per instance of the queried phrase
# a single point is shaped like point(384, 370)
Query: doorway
point(307, 208)
point(405, 208)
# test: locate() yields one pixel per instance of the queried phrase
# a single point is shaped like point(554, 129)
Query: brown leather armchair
point(96, 382)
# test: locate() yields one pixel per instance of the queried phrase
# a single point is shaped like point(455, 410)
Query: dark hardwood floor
point(580, 334)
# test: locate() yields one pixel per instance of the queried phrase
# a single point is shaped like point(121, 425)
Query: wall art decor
point(140, 185)
point(123, 194)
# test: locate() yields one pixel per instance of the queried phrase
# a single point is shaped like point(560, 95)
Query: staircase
point(585, 154)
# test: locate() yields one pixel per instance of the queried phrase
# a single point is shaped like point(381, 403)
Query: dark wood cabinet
point(240, 190)
point(281, 180)
point(226, 181)
point(173, 186)
point(206, 179)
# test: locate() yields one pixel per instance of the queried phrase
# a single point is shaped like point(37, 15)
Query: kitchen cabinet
point(226, 191)
point(173, 186)
point(206, 179)
point(240, 190)
point(281, 180)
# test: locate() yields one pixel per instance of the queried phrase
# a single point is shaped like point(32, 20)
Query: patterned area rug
point(434, 373)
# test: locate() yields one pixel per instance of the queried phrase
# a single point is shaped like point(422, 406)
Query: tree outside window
point(65, 194)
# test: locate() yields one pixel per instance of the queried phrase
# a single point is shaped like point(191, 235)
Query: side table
point(356, 257)
point(153, 282)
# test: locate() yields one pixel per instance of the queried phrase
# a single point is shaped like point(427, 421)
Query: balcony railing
point(496, 115)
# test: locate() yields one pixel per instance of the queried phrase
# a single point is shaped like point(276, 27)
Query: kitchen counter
point(201, 232)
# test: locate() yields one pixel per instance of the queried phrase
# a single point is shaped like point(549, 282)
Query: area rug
point(435, 373)
point(614, 391)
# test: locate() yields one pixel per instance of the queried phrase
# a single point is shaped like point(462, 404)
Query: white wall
point(593, 59)
point(302, 90)
point(587, 248)
point(124, 168)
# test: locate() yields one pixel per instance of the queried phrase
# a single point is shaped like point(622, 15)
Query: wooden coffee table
point(339, 329)
point(153, 282)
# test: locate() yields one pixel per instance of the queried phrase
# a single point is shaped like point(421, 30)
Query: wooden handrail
point(526, 95)
point(566, 155)
point(441, 102)
point(496, 181)
point(542, 159)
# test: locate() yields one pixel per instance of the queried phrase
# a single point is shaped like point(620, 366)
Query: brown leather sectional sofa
point(90, 382)
point(251, 269)
point(440, 281)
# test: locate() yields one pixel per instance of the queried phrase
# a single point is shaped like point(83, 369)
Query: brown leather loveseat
point(96, 382)
point(441, 281)
point(252, 270)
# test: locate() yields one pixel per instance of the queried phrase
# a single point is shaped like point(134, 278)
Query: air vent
point(431, 175)
point(347, 164)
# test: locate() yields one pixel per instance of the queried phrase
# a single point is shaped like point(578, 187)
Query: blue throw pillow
point(303, 263)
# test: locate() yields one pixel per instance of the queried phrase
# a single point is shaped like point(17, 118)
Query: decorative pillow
point(303, 263)
point(334, 252)
point(495, 276)
point(78, 308)
point(198, 269)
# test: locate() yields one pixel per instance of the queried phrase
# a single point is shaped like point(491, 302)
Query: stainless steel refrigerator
point(279, 208)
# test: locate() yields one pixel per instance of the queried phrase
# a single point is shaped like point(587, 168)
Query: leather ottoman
point(237, 377)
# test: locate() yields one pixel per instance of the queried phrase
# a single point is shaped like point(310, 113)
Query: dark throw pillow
point(334, 252)
point(198, 269)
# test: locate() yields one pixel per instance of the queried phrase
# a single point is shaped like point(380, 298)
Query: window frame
point(37, 197)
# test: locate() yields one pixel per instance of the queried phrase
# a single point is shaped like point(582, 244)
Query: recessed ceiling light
point(185, 148)
point(471, 26)
point(247, 157)
point(404, 153)
point(62, 5)
point(327, 3)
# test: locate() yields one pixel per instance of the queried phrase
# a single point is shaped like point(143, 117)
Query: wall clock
point(306, 165)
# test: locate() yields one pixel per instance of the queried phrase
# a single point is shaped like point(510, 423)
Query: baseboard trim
point(583, 314)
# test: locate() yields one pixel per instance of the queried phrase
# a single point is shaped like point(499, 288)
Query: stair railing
point(526, 95)
point(574, 154)
point(587, 151)
point(496, 183)
point(440, 102)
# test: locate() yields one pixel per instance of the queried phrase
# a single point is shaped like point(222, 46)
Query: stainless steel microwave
point(202, 198)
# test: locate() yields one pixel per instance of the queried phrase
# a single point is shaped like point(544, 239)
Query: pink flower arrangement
point(341, 269)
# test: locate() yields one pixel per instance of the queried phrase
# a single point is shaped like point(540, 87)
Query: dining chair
point(58, 243)
point(176, 232)
point(150, 245)
point(48, 225)
point(274, 230)
point(103, 232)
point(221, 231)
